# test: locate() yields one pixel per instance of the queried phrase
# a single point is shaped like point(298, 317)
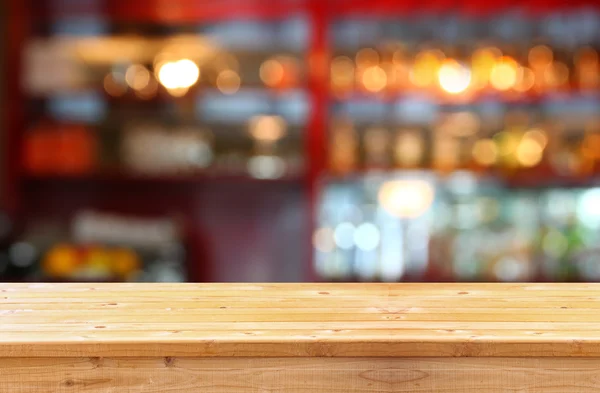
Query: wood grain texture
point(299, 375)
point(299, 320)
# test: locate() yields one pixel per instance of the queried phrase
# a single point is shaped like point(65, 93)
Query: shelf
point(440, 99)
point(175, 11)
point(525, 180)
point(126, 179)
point(93, 105)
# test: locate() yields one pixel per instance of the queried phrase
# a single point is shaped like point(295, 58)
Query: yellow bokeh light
point(540, 56)
point(425, 67)
point(367, 57)
point(272, 72)
point(406, 198)
point(525, 80)
point(267, 128)
point(181, 74)
point(228, 81)
point(137, 76)
point(504, 73)
point(529, 152)
point(454, 78)
point(485, 57)
point(482, 61)
point(342, 72)
point(507, 143)
point(537, 135)
point(485, 152)
point(374, 79)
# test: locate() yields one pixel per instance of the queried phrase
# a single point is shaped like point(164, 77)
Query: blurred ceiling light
point(228, 82)
point(454, 78)
point(540, 56)
point(137, 76)
point(504, 73)
point(529, 152)
point(272, 72)
point(424, 69)
point(367, 57)
point(267, 128)
point(485, 152)
point(525, 80)
point(342, 72)
point(374, 79)
point(179, 74)
point(114, 84)
point(406, 198)
point(556, 74)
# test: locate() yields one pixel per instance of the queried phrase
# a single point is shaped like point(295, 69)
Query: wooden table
point(299, 338)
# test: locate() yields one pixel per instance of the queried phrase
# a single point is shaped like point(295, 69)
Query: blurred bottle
point(377, 148)
point(409, 148)
point(343, 147)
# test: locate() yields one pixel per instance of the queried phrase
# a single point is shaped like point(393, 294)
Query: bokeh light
point(228, 82)
point(272, 72)
point(454, 78)
point(406, 198)
point(504, 73)
point(179, 74)
point(374, 79)
point(137, 76)
point(267, 128)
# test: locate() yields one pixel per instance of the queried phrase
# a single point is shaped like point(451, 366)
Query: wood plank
point(300, 319)
point(299, 375)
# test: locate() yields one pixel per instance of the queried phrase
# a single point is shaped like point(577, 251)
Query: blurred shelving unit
point(195, 113)
point(462, 142)
point(315, 140)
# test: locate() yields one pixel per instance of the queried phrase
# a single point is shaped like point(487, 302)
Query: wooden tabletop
point(282, 320)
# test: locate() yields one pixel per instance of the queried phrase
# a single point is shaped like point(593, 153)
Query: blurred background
point(300, 140)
